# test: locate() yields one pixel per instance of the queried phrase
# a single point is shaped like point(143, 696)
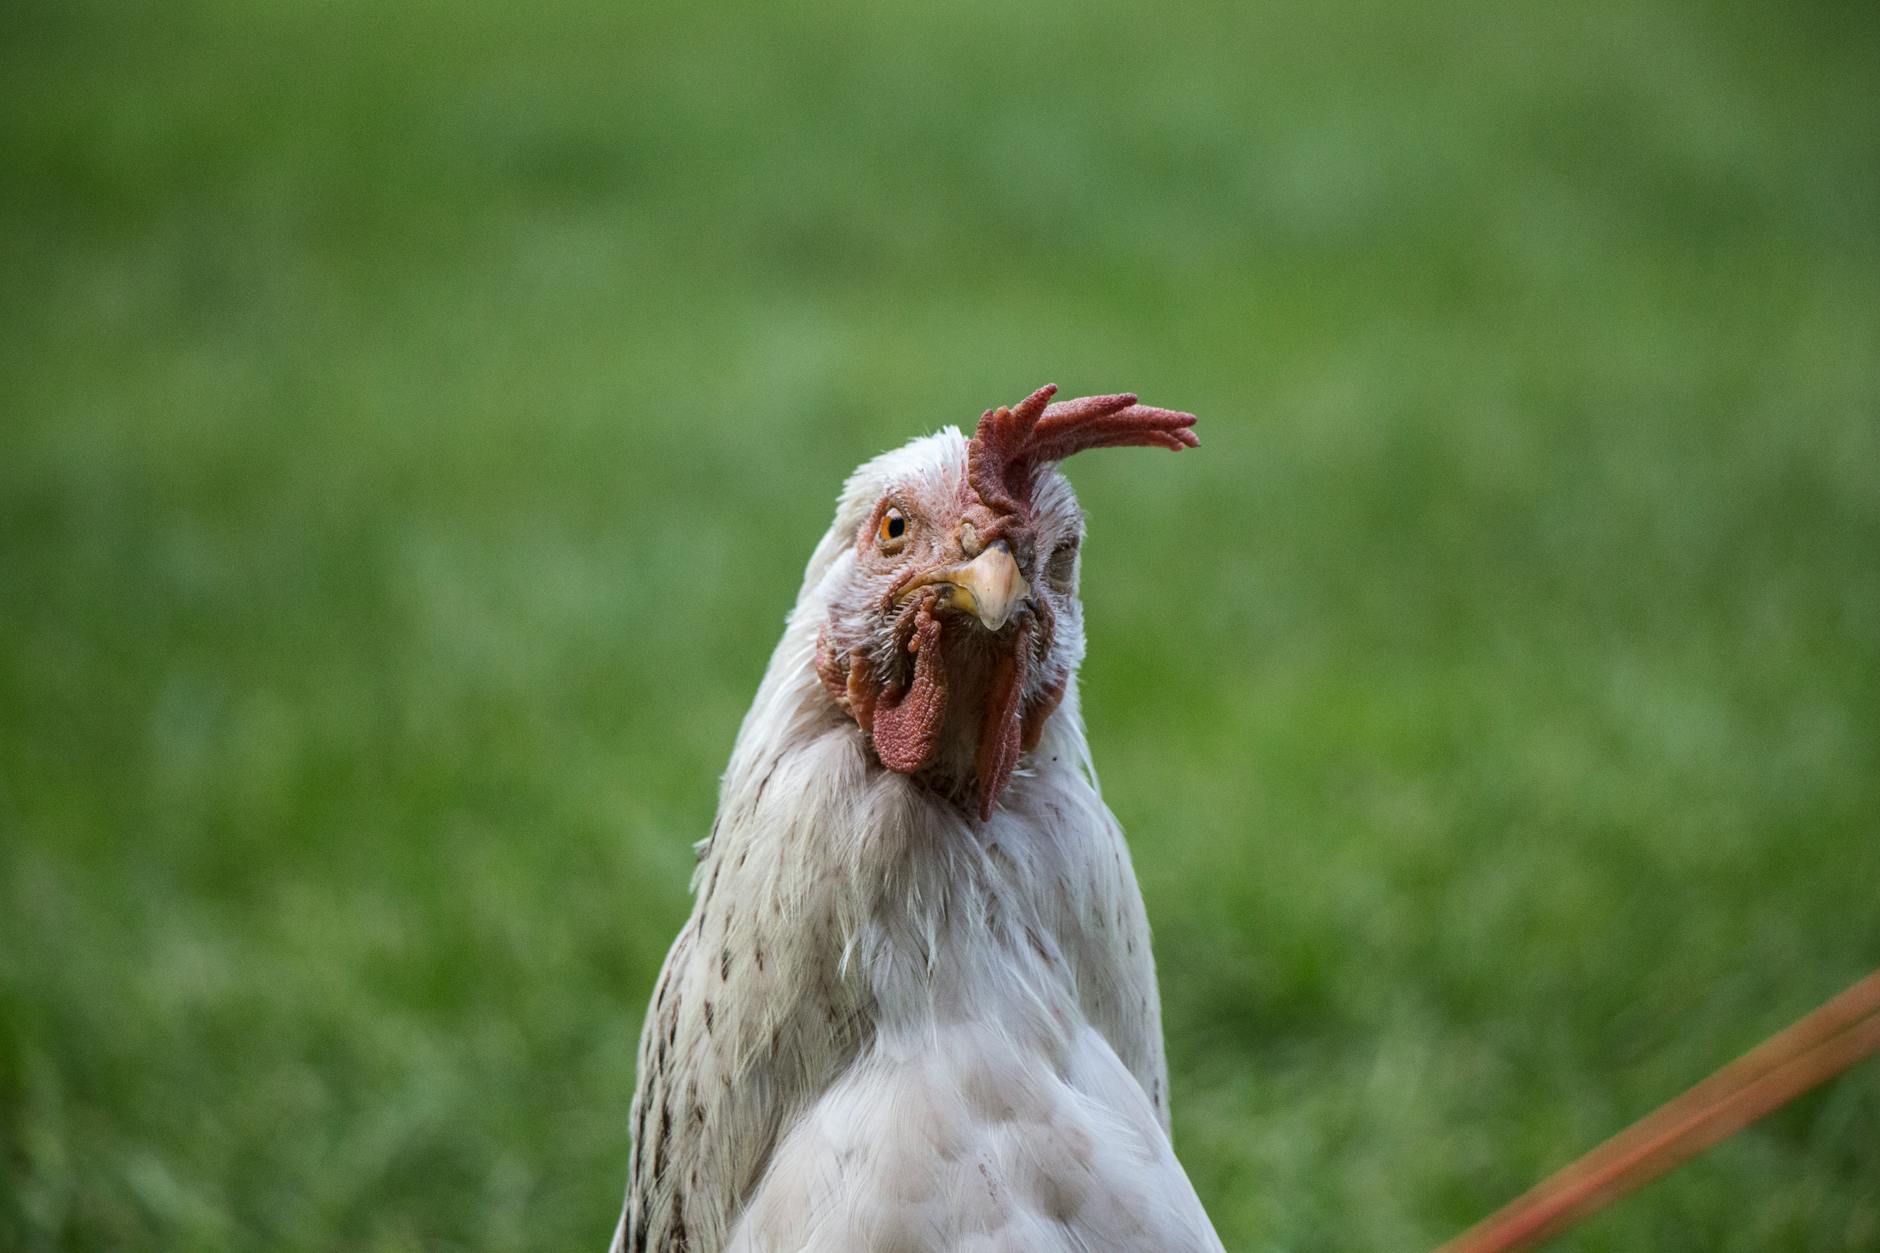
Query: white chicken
point(914, 1007)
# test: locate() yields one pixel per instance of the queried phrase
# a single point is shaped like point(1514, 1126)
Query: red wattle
point(1001, 737)
point(907, 724)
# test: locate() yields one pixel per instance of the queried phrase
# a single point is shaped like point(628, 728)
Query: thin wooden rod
point(1810, 1052)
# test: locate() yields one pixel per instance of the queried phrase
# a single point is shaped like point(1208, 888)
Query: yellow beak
point(989, 586)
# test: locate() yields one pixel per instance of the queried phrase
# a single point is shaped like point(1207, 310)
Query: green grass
point(414, 419)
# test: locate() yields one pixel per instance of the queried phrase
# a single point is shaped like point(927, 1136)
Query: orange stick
point(1812, 1051)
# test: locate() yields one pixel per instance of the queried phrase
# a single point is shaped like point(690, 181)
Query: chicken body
point(903, 1016)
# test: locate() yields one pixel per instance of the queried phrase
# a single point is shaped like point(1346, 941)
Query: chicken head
point(957, 623)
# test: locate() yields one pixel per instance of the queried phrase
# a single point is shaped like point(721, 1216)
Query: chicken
point(914, 1007)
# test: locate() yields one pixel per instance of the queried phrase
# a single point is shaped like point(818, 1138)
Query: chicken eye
point(893, 529)
point(1061, 570)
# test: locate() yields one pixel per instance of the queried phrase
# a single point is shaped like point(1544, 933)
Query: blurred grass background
point(416, 417)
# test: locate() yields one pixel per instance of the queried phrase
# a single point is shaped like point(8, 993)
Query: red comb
point(1011, 444)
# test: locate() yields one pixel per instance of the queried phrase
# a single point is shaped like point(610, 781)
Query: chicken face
point(956, 626)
